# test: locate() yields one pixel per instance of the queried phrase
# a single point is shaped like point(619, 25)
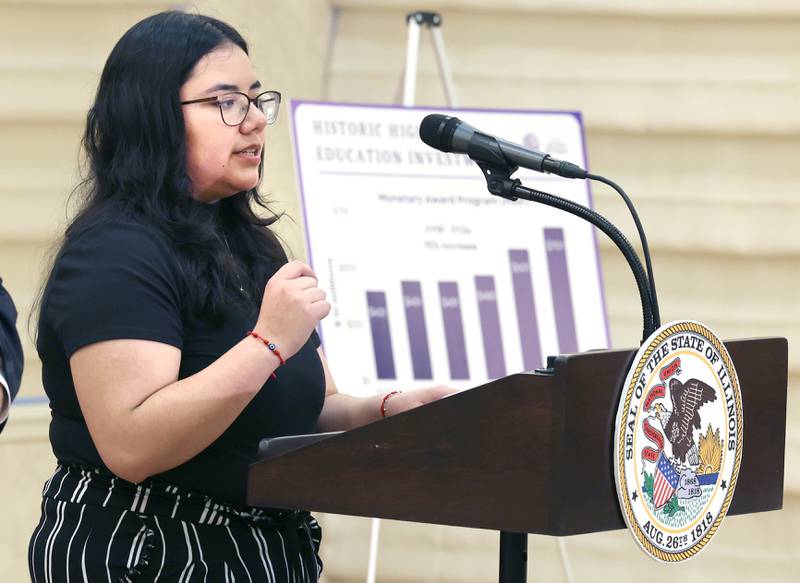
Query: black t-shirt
point(119, 279)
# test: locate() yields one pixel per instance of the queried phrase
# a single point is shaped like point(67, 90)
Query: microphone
point(450, 134)
point(498, 159)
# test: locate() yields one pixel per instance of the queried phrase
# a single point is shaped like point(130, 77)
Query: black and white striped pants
point(96, 527)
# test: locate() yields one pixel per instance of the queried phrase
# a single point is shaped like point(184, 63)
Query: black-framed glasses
point(234, 106)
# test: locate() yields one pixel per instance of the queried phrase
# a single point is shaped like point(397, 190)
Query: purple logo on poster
point(531, 141)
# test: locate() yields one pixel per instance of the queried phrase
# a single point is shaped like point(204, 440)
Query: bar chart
point(449, 312)
point(431, 279)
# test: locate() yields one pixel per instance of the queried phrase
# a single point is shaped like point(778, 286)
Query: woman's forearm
point(343, 412)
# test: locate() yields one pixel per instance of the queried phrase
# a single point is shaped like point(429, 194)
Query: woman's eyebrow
point(228, 87)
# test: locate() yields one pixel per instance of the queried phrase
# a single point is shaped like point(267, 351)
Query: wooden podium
point(528, 453)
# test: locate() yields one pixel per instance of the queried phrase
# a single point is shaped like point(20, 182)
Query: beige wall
point(691, 106)
point(51, 56)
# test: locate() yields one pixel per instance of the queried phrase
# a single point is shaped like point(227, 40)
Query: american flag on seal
point(665, 481)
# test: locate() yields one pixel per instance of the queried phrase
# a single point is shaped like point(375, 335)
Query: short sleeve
point(316, 339)
point(115, 280)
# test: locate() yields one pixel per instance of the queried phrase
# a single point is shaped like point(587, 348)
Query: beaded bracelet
point(272, 348)
point(386, 397)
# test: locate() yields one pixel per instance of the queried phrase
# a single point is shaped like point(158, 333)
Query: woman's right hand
point(291, 307)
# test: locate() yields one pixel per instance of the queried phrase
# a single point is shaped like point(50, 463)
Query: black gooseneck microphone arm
point(500, 183)
point(642, 237)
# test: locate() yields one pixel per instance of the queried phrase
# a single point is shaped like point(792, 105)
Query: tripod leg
point(412, 55)
point(513, 557)
point(444, 67)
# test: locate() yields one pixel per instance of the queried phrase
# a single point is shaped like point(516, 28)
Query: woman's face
point(221, 159)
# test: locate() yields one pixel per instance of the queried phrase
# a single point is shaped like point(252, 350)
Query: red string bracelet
point(386, 397)
point(272, 348)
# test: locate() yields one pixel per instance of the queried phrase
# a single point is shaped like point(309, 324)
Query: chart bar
point(562, 294)
point(381, 336)
point(490, 326)
point(526, 308)
point(454, 330)
point(417, 331)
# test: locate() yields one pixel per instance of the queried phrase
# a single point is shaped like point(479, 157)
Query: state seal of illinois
point(678, 441)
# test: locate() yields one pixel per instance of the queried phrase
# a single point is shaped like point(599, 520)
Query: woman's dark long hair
point(135, 146)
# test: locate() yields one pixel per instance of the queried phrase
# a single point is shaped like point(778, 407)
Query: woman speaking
point(174, 334)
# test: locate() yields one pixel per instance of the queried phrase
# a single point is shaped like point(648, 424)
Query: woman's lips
point(250, 156)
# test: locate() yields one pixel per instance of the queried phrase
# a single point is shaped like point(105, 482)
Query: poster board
point(432, 280)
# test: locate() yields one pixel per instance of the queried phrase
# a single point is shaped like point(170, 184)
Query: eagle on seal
point(687, 398)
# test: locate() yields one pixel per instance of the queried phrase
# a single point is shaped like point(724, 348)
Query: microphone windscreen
point(431, 130)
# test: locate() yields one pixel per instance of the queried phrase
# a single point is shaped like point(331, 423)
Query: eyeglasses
point(234, 106)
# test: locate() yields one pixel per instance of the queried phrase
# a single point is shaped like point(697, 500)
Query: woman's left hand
point(406, 400)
